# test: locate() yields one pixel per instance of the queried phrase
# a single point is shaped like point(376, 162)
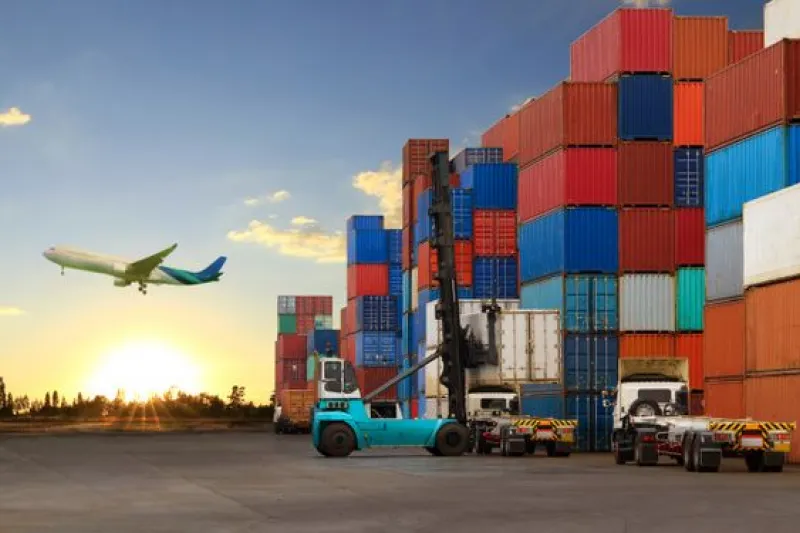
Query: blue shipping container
point(424, 223)
point(462, 213)
point(396, 282)
point(590, 362)
point(407, 334)
point(367, 246)
point(587, 303)
point(404, 385)
point(419, 327)
point(376, 313)
point(749, 169)
point(572, 240)
point(319, 340)
point(595, 422)
point(406, 290)
point(395, 237)
point(494, 186)
point(465, 293)
point(364, 222)
point(542, 400)
point(427, 295)
point(645, 107)
point(494, 276)
point(689, 173)
point(376, 349)
point(473, 156)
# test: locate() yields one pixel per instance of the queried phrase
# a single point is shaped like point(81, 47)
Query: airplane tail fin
point(212, 271)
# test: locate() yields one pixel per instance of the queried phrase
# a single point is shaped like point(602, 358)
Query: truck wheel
point(644, 408)
point(688, 456)
point(337, 440)
point(452, 440)
point(697, 459)
point(619, 458)
point(754, 461)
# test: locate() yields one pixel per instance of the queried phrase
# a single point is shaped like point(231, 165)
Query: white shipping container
point(414, 289)
point(781, 21)
point(772, 236)
point(286, 305)
point(647, 302)
point(528, 348)
point(433, 327)
point(433, 370)
point(435, 408)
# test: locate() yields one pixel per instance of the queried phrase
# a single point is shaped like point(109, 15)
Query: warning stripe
point(536, 422)
point(762, 428)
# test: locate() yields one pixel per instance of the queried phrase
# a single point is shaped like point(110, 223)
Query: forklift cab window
point(339, 378)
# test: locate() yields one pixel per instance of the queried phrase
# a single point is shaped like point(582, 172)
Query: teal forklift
point(340, 421)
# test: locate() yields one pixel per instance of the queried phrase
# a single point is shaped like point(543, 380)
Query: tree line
point(172, 404)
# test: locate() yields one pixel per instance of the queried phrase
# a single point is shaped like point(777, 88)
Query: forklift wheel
point(433, 451)
point(452, 440)
point(337, 440)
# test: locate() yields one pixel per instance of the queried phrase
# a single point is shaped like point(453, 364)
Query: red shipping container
point(406, 236)
point(687, 114)
point(690, 346)
point(290, 346)
point(759, 92)
point(697, 403)
point(775, 399)
point(429, 265)
point(494, 233)
point(646, 240)
point(416, 153)
point(646, 174)
point(627, 40)
point(724, 399)
point(701, 46)
point(370, 379)
point(408, 205)
point(343, 324)
point(351, 316)
point(351, 349)
point(723, 339)
point(570, 176)
point(690, 237)
point(414, 408)
point(305, 323)
point(646, 345)
point(291, 373)
point(772, 328)
point(367, 280)
point(455, 180)
point(505, 133)
point(314, 305)
point(421, 184)
point(744, 43)
point(571, 114)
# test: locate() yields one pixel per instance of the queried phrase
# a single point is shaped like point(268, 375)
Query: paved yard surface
point(246, 482)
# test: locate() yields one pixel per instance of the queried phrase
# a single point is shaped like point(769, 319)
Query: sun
point(144, 368)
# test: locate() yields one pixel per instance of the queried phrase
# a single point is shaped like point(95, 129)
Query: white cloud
point(273, 216)
point(385, 184)
point(520, 105)
point(274, 198)
point(310, 241)
point(303, 221)
point(14, 117)
point(11, 311)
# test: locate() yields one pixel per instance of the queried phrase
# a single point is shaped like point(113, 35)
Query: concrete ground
point(239, 482)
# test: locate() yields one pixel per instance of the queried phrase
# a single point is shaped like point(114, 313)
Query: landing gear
point(142, 288)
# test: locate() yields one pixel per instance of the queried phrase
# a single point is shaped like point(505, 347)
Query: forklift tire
point(452, 440)
point(337, 440)
point(433, 451)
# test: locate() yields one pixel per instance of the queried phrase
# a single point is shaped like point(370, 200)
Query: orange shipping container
point(723, 339)
point(700, 46)
point(646, 345)
point(744, 43)
point(775, 399)
point(773, 327)
point(688, 114)
point(690, 346)
point(724, 399)
point(428, 262)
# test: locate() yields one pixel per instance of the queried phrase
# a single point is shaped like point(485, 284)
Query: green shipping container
point(287, 323)
point(691, 298)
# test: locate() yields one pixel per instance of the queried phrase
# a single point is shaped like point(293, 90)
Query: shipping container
point(376, 313)
point(429, 264)
point(595, 421)
point(646, 173)
point(724, 399)
point(689, 177)
point(367, 280)
point(422, 184)
point(724, 261)
point(370, 379)
point(775, 399)
point(773, 327)
point(743, 43)
point(367, 247)
point(724, 339)
point(542, 400)
point(646, 240)
point(764, 84)
point(645, 107)
point(364, 223)
point(305, 323)
point(461, 201)
point(647, 345)
point(495, 277)
point(771, 237)
point(688, 113)
point(700, 46)
point(416, 153)
point(591, 362)
point(690, 346)
point(627, 40)
point(376, 349)
point(567, 177)
point(473, 156)
point(322, 340)
point(588, 303)
point(690, 239)
point(408, 247)
point(296, 403)
point(569, 240)
point(323, 322)
point(749, 169)
point(314, 305)
point(494, 186)
point(691, 295)
point(423, 227)
point(647, 302)
point(432, 328)
point(287, 324)
point(290, 346)
point(290, 373)
point(408, 206)
point(571, 114)
point(396, 282)
point(781, 21)
point(406, 290)
point(495, 233)
point(343, 327)
point(414, 288)
point(697, 403)
point(505, 133)
point(407, 334)
point(286, 305)
point(395, 239)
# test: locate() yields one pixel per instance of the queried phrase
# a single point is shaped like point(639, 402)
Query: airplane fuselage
point(110, 265)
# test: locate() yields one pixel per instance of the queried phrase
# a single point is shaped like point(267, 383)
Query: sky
point(248, 129)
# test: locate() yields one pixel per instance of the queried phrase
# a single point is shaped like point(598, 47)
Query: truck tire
point(649, 405)
point(687, 448)
point(337, 440)
point(452, 440)
point(697, 460)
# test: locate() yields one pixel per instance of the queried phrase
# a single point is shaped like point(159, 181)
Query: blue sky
point(154, 122)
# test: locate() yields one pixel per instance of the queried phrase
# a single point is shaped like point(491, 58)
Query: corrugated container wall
point(627, 40)
point(773, 327)
point(314, 305)
point(724, 339)
point(367, 280)
point(415, 156)
point(370, 379)
point(495, 276)
point(505, 133)
point(645, 107)
point(376, 349)
point(367, 247)
point(461, 201)
point(588, 303)
point(321, 340)
point(724, 262)
point(646, 240)
point(691, 295)
point(571, 114)
point(570, 176)
point(473, 156)
point(647, 302)
point(591, 362)
point(495, 233)
point(286, 305)
point(689, 177)
point(494, 186)
point(688, 114)
point(767, 83)
point(776, 399)
point(646, 345)
point(645, 174)
point(689, 237)
point(364, 222)
point(743, 43)
point(429, 264)
point(291, 346)
point(700, 46)
point(724, 399)
point(690, 346)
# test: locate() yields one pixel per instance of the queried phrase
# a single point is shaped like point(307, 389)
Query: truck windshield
point(340, 378)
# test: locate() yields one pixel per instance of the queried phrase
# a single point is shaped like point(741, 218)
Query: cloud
point(309, 241)
point(11, 311)
point(303, 221)
point(646, 3)
point(14, 117)
point(385, 184)
point(517, 107)
point(273, 198)
point(273, 216)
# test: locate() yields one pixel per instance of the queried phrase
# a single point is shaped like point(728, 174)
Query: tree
point(236, 397)
point(64, 405)
point(2, 393)
point(56, 403)
point(47, 404)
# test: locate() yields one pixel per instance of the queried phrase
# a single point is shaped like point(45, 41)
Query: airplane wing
point(143, 267)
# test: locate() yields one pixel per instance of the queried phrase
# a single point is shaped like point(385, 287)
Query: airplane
point(143, 272)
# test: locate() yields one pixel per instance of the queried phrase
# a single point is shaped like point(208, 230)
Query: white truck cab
point(491, 404)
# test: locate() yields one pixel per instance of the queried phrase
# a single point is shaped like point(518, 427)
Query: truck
point(651, 421)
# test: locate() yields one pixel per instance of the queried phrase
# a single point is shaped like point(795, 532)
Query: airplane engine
point(121, 283)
